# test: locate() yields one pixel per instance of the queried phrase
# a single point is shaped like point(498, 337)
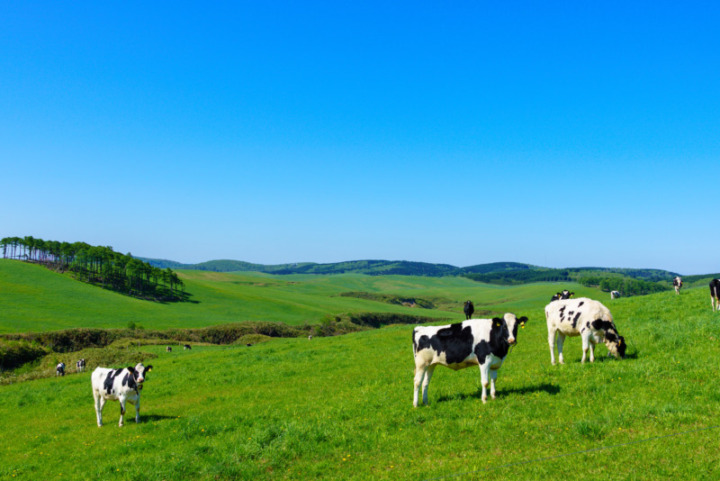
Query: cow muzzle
point(512, 341)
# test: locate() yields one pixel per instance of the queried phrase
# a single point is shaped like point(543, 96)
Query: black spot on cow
point(575, 319)
point(602, 325)
point(581, 303)
point(110, 379)
point(129, 379)
point(455, 341)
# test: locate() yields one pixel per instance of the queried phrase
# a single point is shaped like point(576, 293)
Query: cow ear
point(131, 368)
point(497, 322)
point(149, 368)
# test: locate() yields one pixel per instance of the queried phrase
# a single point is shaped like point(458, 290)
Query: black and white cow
point(60, 369)
point(168, 349)
point(614, 294)
point(586, 318)
point(475, 342)
point(715, 294)
point(468, 309)
point(123, 385)
point(562, 295)
point(80, 365)
point(677, 284)
point(187, 347)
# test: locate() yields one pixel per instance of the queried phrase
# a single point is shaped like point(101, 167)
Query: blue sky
point(560, 134)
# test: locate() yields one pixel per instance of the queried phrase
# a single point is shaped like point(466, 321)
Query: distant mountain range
point(496, 272)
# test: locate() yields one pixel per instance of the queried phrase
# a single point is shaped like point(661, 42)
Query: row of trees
point(98, 265)
point(625, 285)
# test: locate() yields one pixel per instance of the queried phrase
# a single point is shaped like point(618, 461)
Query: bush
point(16, 353)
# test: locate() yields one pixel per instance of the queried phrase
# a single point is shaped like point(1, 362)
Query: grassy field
point(341, 407)
point(36, 299)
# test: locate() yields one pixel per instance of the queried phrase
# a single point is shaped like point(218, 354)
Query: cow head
point(512, 323)
point(140, 372)
point(616, 345)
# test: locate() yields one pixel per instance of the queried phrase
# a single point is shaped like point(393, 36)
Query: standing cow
point(60, 369)
point(715, 294)
point(586, 318)
point(474, 342)
point(468, 309)
point(123, 385)
point(677, 284)
point(80, 365)
point(614, 294)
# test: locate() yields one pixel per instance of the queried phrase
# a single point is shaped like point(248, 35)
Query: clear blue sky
point(559, 134)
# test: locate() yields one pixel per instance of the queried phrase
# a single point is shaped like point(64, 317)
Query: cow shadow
point(151, 418)
point(545, 387)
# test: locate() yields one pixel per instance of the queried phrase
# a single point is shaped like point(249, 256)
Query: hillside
point(495, 273)
point(37, 299)
point(340, 407)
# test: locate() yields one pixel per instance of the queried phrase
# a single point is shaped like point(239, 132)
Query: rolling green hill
point(340, 407)
point(496, 272)
point(37, 299)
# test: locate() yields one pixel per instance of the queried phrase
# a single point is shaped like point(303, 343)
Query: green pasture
point(36, 299)
point(341, 407)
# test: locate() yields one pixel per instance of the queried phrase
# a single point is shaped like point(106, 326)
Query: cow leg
point(493, 378)
point(426, 383)
point(551, 342)
point(419, 376)
point(484, 375)
point(560, 342)
point(137, 410)
point(122, 412)
point(99, 405)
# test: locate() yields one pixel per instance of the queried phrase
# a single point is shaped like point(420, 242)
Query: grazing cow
point(586, 318)
point(168, 349)
point(80, 365)
point(715, 294)
point(187, 347)
point(123, 385)
point(677, 284)
point(310, 337)
point(475, 342)
point(468, 309)
point(614, 294)
point(60, 369)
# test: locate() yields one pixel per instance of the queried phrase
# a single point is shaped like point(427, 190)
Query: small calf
point(123, 385)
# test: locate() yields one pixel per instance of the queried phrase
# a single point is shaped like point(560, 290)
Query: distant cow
point(187, 347)
point(168, 349)
point(715, 294)
point(123, 385)
point(614, 294)
point(562, 295)
point(80, 365)
point(475, 342)
point(586, 318)
point(468, 309)
point(677, 284)
point(60, 369)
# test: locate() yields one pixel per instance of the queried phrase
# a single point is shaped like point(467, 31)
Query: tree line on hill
point(99, 266)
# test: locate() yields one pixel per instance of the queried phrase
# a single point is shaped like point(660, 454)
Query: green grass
point(341, 407)
point(36, 299)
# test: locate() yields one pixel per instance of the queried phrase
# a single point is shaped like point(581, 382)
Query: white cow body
point(586, 318)
point(475, 342)
point(122, 385)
